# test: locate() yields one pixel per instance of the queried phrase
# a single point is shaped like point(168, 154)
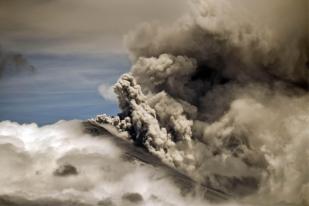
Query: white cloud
point(107, 92)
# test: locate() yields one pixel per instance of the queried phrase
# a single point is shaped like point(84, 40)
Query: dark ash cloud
point(222, 95)
point(13, 64)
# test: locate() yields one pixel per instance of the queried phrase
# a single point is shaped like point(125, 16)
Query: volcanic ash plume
point(222, 95)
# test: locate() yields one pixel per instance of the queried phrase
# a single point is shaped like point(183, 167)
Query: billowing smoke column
point(223, 97)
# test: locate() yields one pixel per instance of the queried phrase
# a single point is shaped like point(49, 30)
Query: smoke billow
point(222, 95)
point(12, 64)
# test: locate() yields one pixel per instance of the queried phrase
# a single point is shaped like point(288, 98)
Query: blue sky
point(63, 87)
point(75, 46)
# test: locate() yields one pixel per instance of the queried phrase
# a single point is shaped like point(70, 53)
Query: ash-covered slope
point(183, 182)
point(222, 95)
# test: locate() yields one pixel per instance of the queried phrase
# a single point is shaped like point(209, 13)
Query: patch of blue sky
point(63, 87)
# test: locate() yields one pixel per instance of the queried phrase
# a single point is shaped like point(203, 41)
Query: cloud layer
point(59, 164)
